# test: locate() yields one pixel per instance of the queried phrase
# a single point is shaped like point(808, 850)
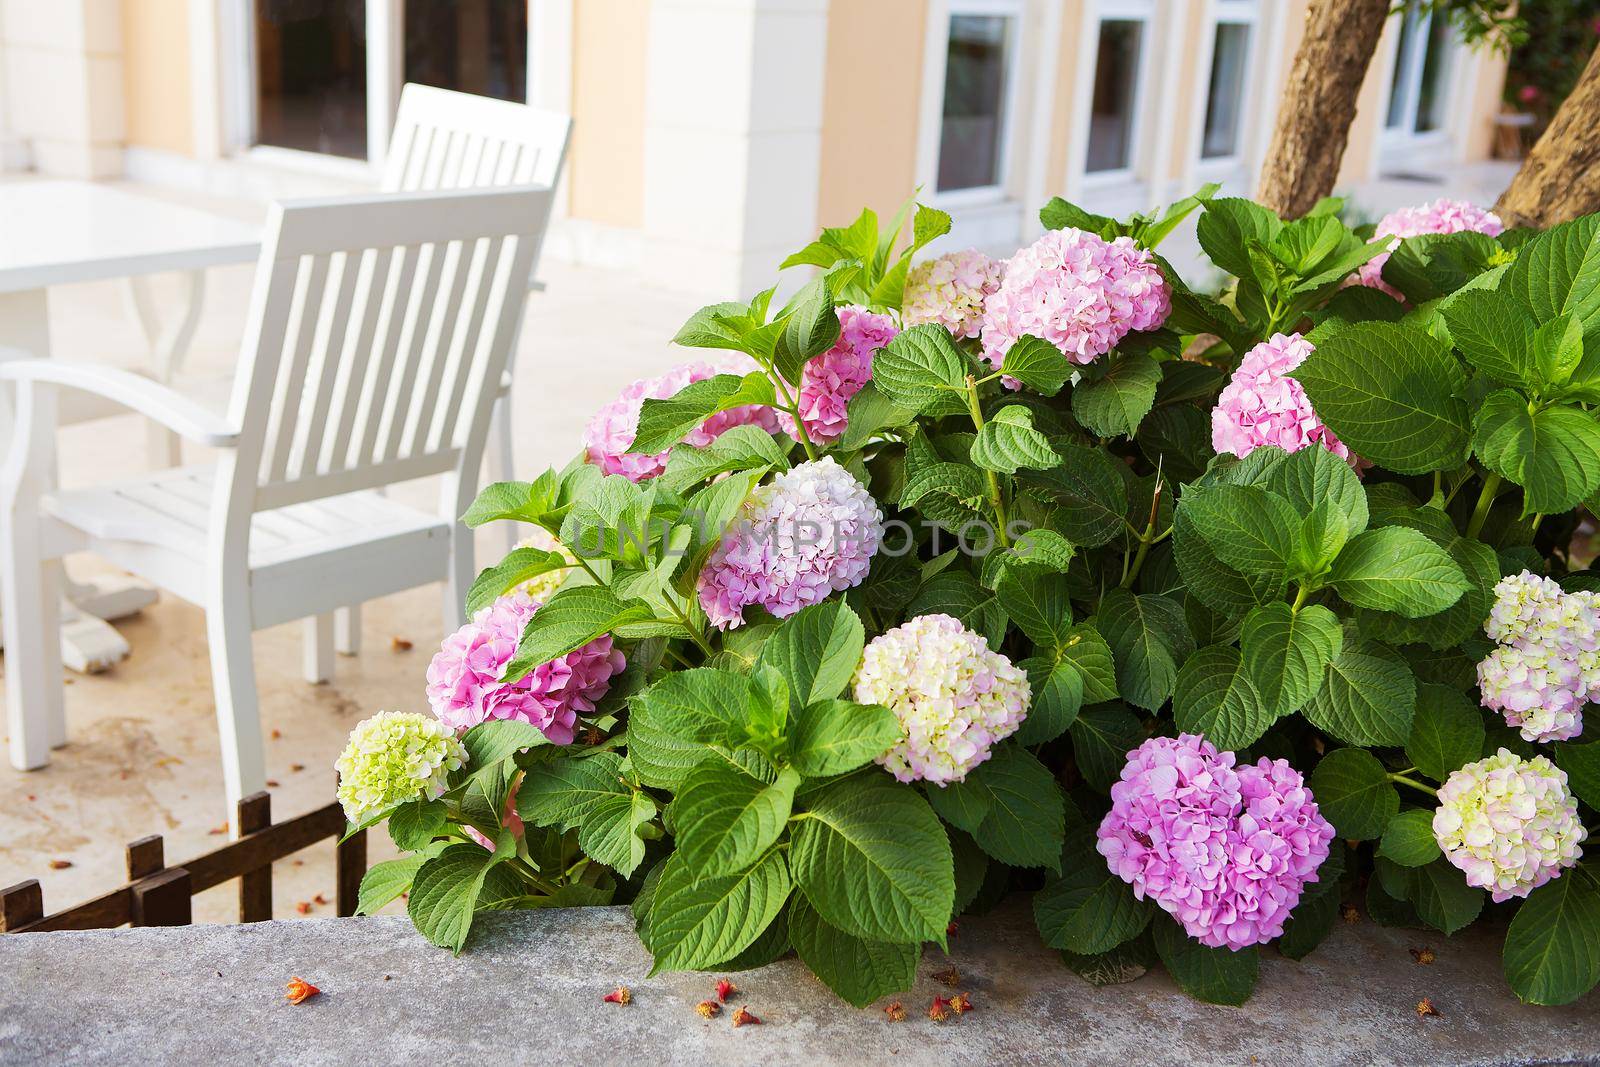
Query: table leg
point(168, 345)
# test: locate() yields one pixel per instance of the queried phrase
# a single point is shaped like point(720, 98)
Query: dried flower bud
point(743, 1016)
point(948, 977)
point(708, 1009)
point(1425, 1008)
point(1423, 955)
point(939, 1010)
point(896, 1011)
point(299, 989)
point(961, 1003)
point(725, 989)
point(620, 995)
point(1351, 915)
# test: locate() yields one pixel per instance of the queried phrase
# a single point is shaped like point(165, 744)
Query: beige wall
point(871, 110)
point(155, 74)
point(606, 164)
point(1074, 15)
point(1361, 150)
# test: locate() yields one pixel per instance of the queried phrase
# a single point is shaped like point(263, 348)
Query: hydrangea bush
point(1200, 618)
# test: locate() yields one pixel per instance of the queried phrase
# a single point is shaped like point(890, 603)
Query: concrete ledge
point(528, 991)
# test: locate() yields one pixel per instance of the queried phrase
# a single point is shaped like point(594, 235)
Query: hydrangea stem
point(1414, 784)
point(997, 500)
point(791, 404)
point(1491, 485)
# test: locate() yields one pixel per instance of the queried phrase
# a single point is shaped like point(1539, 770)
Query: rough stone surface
point(528, 989)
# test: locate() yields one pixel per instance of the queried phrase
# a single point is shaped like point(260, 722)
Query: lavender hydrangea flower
point(808, 533)
point(1077, 291)
point(465, 678)
point(954, 695)
point(1548, 663)
point(951, 291)
point(608, 438)
point(1509, 823)
point(1226, 851)
point(830, 379)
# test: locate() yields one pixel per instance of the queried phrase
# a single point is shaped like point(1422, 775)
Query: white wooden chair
point(378, 335)
point(443, 139)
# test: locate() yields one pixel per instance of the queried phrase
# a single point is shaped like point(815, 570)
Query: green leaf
point(1113, 402)
point(1251, 530)
point(697, 921)
point(1391, 392)
point(1212, 582)
point(1090, 656)
point(565, 792)
point(1582, 764)
point(858, 970)
point(1312, 476)
point(1128, 962)
point(569, 620)
point(1553, 453)
point(613, 831)
point(836, 736)
point(1552, 949)
point(874, 861)
point(1216, 697)
point(1286, 653)
point(413, 826)
point(738, 448)
point(1009, 441)
point(870, 413)
point(1038, 365)
point(1446, 732)
point(1354, 793)
point(1559, 271)
point(1368, 698)
point(1226, 226)
point(1213, 975)
point(724, 819)
point(1057, 696)
point(1149, 637)
point(1088, 491)
point(491, 741)
point(1409, 839)
point(663, 423)
point(1431, 265)
point(1059, 214)
point(811, 329)
point(919, 367)
point(444, 891)
point(1494, 332)
point(816, 650)
point(1039, 605)
point(682, 720)
point(385, 881)
point(1397, 569)
point(520, 565)
point(1442, 897)
point(522, 501)
point(1088, 910)
point(1023, 811)
point(1102, 737)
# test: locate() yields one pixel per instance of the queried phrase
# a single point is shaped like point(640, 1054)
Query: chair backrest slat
point(378, 325)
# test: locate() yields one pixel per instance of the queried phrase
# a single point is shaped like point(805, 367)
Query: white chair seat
point(161, 520)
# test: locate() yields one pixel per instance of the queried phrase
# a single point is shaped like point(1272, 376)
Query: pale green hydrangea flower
point(392, 758)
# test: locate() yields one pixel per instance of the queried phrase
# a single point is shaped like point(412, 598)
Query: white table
point(59, 232)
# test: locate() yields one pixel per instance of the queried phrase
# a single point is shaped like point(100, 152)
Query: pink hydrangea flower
point(1262, 405)
point(1510, 824)
point(1077, 291)
point(805, 535)
point(833, 377)
point(465, 684)
point(1441, 216)
point(1224, 850)
point(1548, 664)
point(954, 695)
point(611, 431)
point(951, 291)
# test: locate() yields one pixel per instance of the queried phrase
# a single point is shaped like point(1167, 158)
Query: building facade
point(714, 136)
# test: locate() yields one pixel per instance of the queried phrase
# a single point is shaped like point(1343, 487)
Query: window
point(1418, 88)
point(311, 85)
point(972, 128)
point(1115, 95)
point(479, 47)
point(1230, 57)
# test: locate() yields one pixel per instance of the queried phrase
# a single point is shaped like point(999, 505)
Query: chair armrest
point(151, 399)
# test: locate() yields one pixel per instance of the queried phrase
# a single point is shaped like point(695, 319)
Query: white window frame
point(1125, 188)
point(1405, 138)
point(1233, 167)
point(385, 74)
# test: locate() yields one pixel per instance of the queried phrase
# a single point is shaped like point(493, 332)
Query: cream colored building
point(714, 136)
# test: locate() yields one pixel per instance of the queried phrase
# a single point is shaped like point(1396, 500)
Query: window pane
point(1431, 94)
point(476, 46)
point(1404, 57)
point(1116, 73)
point(974, 102)
point(311, 59)
point(1229, 56)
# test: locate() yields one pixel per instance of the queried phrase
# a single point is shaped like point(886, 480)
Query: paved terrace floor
point(142, 756)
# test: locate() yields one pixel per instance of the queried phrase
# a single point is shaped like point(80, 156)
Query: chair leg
point(502, 461)
point(233, 680)
point(347, 630)
point(318, 650)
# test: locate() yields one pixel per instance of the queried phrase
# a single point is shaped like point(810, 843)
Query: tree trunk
point(1560, 179)
point(1319, 103)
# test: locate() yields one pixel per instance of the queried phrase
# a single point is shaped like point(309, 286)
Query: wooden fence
point(158, 895)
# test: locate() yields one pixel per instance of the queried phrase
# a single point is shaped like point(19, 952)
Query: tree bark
point(1319, 103)
point(1560, 179)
